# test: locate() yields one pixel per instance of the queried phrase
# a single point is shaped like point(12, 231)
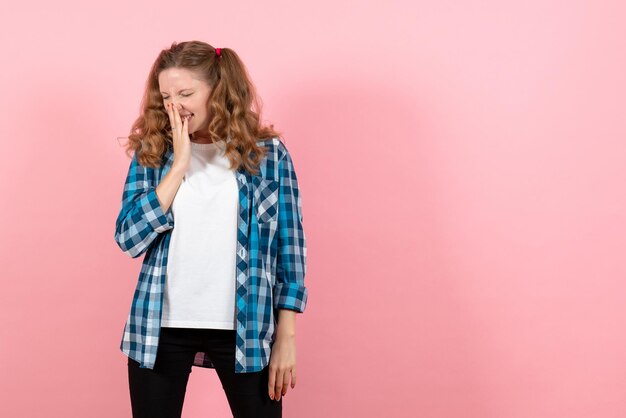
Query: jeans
point(160, 392)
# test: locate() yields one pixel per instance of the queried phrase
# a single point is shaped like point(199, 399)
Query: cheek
point(197, 106)
point(202, 110)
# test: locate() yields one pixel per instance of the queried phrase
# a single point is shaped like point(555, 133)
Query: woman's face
point(188, 93)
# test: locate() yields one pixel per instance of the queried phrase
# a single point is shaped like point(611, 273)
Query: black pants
point(160, 392)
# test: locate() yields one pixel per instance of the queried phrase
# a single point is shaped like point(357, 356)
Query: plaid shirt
point(270, 261)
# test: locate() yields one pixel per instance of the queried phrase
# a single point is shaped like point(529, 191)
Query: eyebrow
point(181, 90)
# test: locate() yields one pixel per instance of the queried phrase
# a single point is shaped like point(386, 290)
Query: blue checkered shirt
point(270, 261)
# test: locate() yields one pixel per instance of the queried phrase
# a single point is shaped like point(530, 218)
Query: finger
point(286, 381)
point(293, 378)
point(271, 382)
point(170, 114)
point(186, 126)
point(172, 117)
point(179, 123)
point(279, 385)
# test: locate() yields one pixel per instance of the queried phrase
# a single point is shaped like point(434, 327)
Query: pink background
point(462, 172)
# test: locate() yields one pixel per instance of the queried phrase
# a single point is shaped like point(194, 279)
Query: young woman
point(211, 198)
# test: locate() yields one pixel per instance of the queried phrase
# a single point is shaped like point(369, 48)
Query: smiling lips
point(187, 116)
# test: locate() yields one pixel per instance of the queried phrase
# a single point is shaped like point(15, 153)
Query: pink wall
point(462, 170)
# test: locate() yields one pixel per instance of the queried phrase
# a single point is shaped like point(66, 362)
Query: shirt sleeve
point(141, 217)
point(289, 290)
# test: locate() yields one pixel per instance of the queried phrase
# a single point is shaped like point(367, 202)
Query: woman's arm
point(142, 216)
point(168, 187)
point(286, 323)
point(282, 366)
point(290, 294)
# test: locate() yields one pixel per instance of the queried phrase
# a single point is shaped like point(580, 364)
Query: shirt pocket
point(266, 199)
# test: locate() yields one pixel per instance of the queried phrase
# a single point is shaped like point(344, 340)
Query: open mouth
point(187, 117)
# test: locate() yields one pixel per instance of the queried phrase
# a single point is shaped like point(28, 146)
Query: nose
point(177, 106)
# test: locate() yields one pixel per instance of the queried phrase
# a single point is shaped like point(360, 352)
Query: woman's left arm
point(290, 293)
point(282, 365)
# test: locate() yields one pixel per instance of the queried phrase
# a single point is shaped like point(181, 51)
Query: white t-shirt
point(200, 285)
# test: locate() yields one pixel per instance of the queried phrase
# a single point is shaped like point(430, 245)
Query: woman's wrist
point(286, 323)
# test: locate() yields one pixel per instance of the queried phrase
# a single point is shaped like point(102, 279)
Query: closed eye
point(184, 95)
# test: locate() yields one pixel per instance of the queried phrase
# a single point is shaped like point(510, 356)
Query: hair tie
point(218, 52)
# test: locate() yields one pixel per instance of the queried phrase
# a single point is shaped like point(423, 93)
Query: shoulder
point(276, 148)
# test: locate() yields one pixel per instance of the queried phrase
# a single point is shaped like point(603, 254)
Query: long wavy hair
point(233, 104)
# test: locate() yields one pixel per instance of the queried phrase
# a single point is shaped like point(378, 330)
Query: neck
point(201, 138)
